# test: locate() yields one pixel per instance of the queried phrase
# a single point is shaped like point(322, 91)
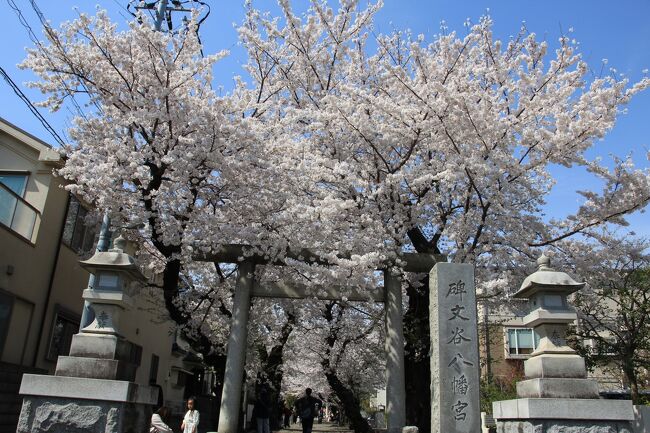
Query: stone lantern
point(93, 388)
point(554, 369)
point(556, 394)
point(116, 276)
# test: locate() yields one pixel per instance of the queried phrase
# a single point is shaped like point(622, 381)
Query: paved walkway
point(318, 428)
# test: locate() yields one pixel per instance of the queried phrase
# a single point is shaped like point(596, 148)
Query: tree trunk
point(631, 379)
point(273, 373)
point(351, 404)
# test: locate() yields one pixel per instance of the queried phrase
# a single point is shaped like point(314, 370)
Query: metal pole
point(87, 315)
point(236, 355)
point(160, 14)
point(394, 345)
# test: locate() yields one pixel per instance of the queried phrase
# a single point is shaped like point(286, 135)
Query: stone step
point(11, 376)
point(558, 388)
point(9, 388)
point(95, 368)
point(6, 367)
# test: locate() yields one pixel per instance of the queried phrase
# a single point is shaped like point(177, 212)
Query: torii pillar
point(236, 355)
point(394, 346)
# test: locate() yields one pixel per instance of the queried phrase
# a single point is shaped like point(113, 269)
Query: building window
point(521, 341)
point(15, 212)
point(15, 182)
point(65, 325)
point(153, 369)
point(77, 234)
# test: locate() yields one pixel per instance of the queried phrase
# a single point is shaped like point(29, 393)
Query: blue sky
point(616, 31)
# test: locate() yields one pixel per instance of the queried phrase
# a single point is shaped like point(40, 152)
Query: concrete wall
point(149, 326)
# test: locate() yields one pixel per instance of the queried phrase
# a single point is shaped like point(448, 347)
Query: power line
point(36, 41)
point(31, 106)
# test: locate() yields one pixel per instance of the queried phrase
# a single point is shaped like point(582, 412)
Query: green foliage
point(615, 318)
point(644, 400)
point(290, 400)
point(496, 390)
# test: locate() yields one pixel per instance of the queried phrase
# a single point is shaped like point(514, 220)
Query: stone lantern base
point(575, 415)
point(92, 391)
point(69, 404)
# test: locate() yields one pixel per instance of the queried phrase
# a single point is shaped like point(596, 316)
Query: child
point(191, 420)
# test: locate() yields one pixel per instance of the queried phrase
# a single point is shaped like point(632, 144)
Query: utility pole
point(161, 11)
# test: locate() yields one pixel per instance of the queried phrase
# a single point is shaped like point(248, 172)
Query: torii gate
point(246, 288)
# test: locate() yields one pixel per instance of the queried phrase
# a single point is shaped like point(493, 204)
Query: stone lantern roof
point(114, 259)
point(547, 279)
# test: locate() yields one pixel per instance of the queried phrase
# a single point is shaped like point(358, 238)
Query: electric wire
point(31, 107)
point(36, 41)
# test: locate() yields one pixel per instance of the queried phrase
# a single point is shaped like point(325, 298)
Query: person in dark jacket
point(262, 411)
point(307, 408)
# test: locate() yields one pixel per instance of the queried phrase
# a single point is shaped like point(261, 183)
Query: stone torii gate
point(246, 288)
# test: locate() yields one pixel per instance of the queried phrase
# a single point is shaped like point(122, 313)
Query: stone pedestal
point(570, 415)
point(68, 404)
point(91, 391)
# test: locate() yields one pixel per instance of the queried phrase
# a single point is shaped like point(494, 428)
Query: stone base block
point(563, 426)
point(104, 347)
point(78, 388)
point(63, 415)
point(555, 366)
point(524, 409)
point(95, 368)
point(557, 388)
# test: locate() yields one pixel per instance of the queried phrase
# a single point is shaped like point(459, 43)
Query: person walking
point(307, 407)
point(262, 411)
point(190, 422)
point(286, 411)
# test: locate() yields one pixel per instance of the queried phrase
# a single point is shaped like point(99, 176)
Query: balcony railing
point(18, 215)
